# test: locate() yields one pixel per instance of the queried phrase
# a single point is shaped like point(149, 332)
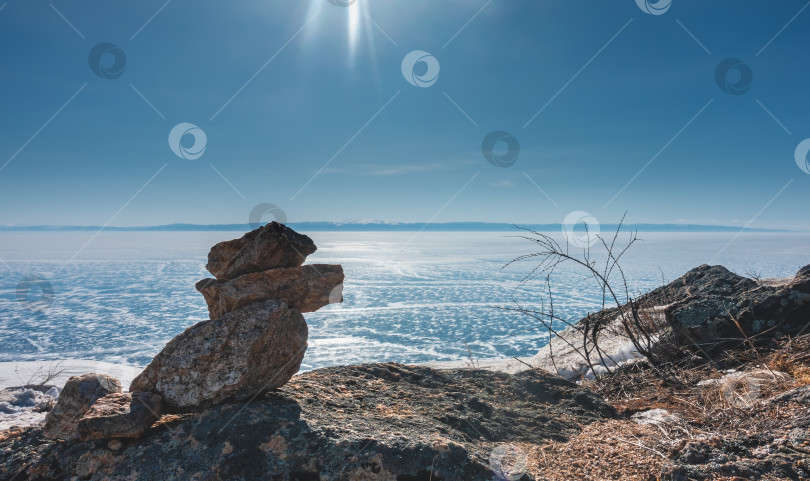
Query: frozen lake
point(408, 298)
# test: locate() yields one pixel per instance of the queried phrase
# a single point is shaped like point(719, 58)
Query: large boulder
point(246, 352)
point(76, 398)
point(715, 308)
point(271, 246)
point(120, 415)
point(350, 423)
point(306, 288)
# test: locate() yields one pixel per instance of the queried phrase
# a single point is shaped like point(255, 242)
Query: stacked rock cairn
point(253, 343)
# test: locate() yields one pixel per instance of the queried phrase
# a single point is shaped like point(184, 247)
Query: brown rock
point(78, 395)
point(271, 246)
point(306, 288)
point(120, 415)
point(246, 352)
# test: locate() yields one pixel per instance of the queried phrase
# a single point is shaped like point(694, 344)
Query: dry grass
point(710, 405)
point(728, 404)
point(791, 366)
point(613, 450)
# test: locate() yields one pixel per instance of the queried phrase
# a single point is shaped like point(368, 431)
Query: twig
point(523, 362)
point(639, 445)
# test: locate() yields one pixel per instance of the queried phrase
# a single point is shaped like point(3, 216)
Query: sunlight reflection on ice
point(430, 300)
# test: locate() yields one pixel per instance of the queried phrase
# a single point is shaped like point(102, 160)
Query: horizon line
point(382, 226)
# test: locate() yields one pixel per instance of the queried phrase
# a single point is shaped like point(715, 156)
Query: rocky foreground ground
point(377, 421)
point(396, 422)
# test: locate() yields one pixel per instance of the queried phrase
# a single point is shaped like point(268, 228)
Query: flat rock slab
point(306, 288)
point(246, 352)
point(121, 415)
point(369, 422)
point(78, 395)
point(269, 247)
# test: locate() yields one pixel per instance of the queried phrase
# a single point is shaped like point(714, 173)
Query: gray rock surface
point(705, 305)
point(76, 398)
point(268, 247)
point(353, 423)
point(306, 288)
point(120, 415)
point(248, 351)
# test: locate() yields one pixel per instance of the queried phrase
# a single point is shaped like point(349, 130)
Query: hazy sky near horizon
point(307, 105)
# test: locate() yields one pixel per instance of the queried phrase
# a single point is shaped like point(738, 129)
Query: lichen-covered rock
point(716, 308)
point(353, 423)
point(76, 398)
point(271, 246)
point(121, 415)
point(306, 288)
point(246, 352)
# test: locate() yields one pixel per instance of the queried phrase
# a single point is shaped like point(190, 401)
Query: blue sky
point(304, 105)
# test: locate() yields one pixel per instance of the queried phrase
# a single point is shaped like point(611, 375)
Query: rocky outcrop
point(271, 246)
point(78, 395)
point(707, 311)
point(246, 352)
point(120, 415)
point(306, 288)
point(712, 307)
point(370, 422)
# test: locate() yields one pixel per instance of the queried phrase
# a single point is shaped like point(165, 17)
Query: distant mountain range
point(386, 227)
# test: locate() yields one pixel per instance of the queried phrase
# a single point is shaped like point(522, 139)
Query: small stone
point(271, 246)
point(115, 445)
point(120, 415)
point(306, 288)
point(78, 395)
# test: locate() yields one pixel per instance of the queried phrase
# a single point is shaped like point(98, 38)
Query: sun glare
point(351, 10)
point(354, 26)
point(349, 18)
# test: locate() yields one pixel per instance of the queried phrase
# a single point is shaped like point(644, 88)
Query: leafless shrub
point(44, 374)
point(755, 275)
point(471, 362)
point(616, 301)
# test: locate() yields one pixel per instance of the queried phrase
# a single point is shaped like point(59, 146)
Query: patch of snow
point(654, 416)
point(563, 354)
point(15, 374)
point(24, 407)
